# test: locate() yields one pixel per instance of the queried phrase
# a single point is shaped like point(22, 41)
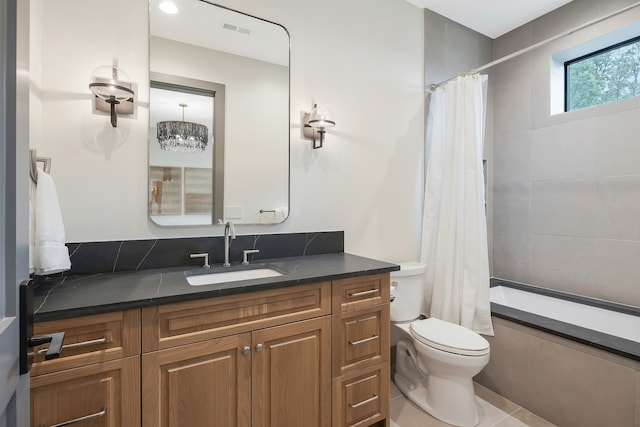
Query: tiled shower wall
point(566, 187)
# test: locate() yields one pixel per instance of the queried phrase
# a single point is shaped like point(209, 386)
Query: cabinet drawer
point(89, 339)
point(360, 338)
point(184, 323)
point(361, 398)
point(103, 394)
point(360, 292)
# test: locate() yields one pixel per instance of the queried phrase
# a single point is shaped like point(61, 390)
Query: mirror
point(229, 72)
point(183, 189)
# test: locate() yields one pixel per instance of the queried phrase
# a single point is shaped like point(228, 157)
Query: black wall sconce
point(111, 85)
point(315, 124)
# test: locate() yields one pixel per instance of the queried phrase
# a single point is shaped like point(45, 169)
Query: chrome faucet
point(229, 232)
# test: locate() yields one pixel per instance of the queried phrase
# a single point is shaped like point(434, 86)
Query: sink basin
point(225, 276)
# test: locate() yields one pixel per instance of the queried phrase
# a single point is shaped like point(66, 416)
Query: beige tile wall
point(568, 384)
point(566, 187)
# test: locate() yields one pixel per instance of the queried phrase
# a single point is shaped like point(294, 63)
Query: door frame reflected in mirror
point(195, 86)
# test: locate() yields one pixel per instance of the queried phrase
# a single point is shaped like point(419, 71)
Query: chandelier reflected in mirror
point(186, 137)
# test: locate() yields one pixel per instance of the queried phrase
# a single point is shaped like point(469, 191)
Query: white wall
point(566, 186)
point(100, 172)
point(362, 59)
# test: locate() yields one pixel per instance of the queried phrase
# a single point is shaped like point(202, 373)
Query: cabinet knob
point(246, 350)
point(259, 347)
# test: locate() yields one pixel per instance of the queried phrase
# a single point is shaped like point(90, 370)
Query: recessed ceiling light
point(168, 7)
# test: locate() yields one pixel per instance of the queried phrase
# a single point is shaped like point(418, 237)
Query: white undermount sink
point(232, 276)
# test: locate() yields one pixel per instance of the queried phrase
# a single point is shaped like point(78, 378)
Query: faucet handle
point(245, 261)
point(202, 255)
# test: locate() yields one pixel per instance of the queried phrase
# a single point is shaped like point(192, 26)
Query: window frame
point(568, 63)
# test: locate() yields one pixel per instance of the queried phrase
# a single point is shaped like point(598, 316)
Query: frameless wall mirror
point(241, 173)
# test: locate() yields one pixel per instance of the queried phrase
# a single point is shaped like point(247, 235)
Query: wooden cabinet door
point(99, 395)
point(202, 384)
point(291, 375)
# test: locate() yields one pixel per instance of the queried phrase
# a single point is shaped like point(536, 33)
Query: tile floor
point(495, 411)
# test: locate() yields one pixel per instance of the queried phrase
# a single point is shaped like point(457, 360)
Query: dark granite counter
point(99, 293)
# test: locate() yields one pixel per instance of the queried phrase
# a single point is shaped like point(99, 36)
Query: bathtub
point(601, 324)
point(572, 360)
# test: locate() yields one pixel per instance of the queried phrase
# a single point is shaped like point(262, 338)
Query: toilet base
point(448, 399)
point(416, 391)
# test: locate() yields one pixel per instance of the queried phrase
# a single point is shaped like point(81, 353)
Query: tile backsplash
point(133, 255)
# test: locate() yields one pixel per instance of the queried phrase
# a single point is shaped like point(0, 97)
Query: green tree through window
point(606, 75)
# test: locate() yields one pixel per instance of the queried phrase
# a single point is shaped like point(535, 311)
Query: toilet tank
point(407, 286)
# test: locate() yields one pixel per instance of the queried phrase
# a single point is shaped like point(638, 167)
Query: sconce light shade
point(320, 119)
point(113, 85)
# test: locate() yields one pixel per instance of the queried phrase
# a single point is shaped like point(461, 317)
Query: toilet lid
point(449, 337)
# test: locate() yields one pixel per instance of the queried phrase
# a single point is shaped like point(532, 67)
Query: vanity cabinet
point(96, 375)
point(360, 347)
point(260, 359)
point(309, 355)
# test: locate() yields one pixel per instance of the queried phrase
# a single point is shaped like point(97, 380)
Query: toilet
point(435, 360)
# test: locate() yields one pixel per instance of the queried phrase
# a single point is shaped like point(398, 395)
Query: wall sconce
point(316, 123)
point(113, 86)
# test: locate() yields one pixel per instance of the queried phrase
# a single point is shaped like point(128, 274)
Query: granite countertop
point(99, 293)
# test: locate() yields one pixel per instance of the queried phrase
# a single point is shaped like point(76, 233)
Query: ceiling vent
point(236, 28)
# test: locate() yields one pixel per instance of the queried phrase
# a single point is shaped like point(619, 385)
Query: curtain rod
point(434, 86)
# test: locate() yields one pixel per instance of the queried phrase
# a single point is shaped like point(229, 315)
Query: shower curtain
point(454, 228)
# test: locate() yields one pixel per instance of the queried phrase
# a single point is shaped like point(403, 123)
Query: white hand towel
point(32, 226)
point(51, 254)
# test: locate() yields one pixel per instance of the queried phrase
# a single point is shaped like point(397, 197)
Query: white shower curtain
point(454, 228)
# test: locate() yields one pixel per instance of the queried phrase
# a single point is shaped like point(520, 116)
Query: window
point(606, 75)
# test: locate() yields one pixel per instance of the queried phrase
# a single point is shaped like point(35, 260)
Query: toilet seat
point(449, 337)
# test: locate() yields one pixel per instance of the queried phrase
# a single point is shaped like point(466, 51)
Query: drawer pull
point(364, 402)
point(78, 344)
point(359, 294)
point(77, 420)
point(375, 337)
